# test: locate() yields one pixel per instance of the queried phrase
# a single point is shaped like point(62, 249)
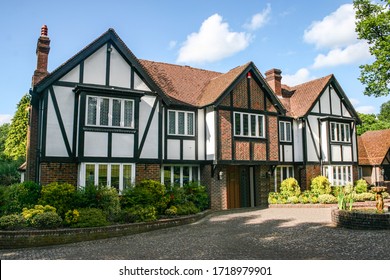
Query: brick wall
point(225, 135)
point(307, 174)
point(59, 172)
point(263, 184)
point(273, 138)
point(242, 149)
point(216, 188)
point(240, 95)
point(257, 96)
point(147, 171)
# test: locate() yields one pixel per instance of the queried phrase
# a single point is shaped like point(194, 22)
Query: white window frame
point(259, 133)
point(339, 175)
point(181, 183)
point(186, 128)
point(110, 112)
point(279, 169)
point(340, 132)
point(83, 176)
point(287, 127)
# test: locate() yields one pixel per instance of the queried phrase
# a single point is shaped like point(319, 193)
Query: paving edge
point(36, 238)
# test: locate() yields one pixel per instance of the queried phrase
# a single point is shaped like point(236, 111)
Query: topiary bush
point(61, 196)
point(361, 186)
point(12, 222)
point(90, 217)
point(139, 214)
point(146, 193)
point(320, 185)
point(290, 187)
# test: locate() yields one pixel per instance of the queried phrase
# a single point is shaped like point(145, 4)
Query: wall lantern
point(220, 175)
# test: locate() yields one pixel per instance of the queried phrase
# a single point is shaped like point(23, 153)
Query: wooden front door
point(233, 187)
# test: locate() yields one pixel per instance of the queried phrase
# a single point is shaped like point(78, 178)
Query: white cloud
point(354, 101)
point(259, 19)
point(336, 30)
point(213, 41)
point(5, 119)
point(351, 54)
point(366, 109)
point(301, 76)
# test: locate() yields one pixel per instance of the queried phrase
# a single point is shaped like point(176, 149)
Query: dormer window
point(340, 132)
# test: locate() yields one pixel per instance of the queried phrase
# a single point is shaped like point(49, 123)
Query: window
point(285, 131)
point(179, 175)
point(339, 175)
point(282, 173)
point(181, 123)
point(110, 112)
point(248, 125)
point(340, 132)
point(116, 175)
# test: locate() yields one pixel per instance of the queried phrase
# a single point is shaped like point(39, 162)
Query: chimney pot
point(44, 30)
point(42, 51)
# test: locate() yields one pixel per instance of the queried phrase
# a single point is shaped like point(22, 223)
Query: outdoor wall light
point(220, 175)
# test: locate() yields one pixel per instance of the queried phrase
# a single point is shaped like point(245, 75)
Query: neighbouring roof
point(373, 147)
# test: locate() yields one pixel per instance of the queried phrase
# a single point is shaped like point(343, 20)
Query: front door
point(240, 187)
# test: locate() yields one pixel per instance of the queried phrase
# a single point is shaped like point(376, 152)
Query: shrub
point(361, 186)
point(327, 198)
point(308, 197)
point(171, 211)
point(146, 193)
point(320, 185)
point(293, 199)
point(290, 187)
point(385, 195)
point(336, 190)
point(366, 196)
point(29, 214)
point(18, 196)
point(46, 220)
point(187, 208)
point(273, 197)
point(12, 222)
point(72, 217)
point(90, 217)
point(61, 196)
point(197, 194)
point(139, 214)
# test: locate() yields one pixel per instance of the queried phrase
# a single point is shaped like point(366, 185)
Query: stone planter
point(356, 219)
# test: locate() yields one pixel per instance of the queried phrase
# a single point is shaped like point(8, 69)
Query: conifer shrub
point(361, 186)
point(60, 195)
point(290, 187)
point(320, 185)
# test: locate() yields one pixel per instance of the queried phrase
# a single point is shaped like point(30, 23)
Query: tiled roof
point(373, 146)
point(304, 96)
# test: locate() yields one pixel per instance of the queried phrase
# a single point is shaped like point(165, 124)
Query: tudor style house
point(107, 117)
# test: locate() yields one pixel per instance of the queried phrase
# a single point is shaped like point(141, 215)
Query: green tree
point(3, 136)
point(15, 144)
point(373, 25)
point(384, 114)
point(370, 122)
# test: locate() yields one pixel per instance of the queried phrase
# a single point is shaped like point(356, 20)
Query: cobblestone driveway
point(274, 233)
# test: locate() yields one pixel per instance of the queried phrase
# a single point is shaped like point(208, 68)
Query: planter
point(356, 219)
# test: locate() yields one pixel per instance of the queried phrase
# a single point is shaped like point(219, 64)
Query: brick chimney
point(274, 80)
point(43, 48)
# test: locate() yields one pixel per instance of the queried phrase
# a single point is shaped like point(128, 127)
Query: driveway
point(270, 234)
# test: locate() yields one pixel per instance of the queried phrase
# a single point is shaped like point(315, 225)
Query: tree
point(384, 114)
point(3, 136)
point(371, 122)
point(15, 144)
point(373, 25)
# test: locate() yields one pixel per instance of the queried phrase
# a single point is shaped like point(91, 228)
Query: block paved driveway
point(271, 234)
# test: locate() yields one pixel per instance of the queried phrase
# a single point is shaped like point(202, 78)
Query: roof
point(304, 95)
point(373, 146)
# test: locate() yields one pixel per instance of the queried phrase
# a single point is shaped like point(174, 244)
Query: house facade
point(374, 157)
point(108, 118)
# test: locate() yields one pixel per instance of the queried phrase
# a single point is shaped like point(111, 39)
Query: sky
point(305, 39)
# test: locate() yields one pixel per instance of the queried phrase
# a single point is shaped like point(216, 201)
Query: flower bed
point(356, 219)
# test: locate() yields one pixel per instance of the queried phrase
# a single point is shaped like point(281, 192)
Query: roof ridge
point(178, 65)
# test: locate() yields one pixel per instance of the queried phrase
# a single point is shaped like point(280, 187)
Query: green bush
point(385, 195)
point(171, 211)
point(361, 186)
point(102, 197)
point(90, 217)
point(139, 214)
point(146, 193)
point(320, 185)
point(365, 196)
point(308, 197)
point(290, 187)
point(71, 217)
point(29, 214)
point(46, 220)
point(9, 171)
point(327, 198)
point(197, 194)
point(187, 208)
point(61, 196)
point(293, 199)
point(18, 196)
point(336, 190)
point(12, 222)
point(273, 197)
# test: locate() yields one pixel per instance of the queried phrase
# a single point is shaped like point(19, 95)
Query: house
point(374, 156)
point(107, 117)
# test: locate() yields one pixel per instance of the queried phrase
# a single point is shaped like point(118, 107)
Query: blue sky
point(305, 39)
